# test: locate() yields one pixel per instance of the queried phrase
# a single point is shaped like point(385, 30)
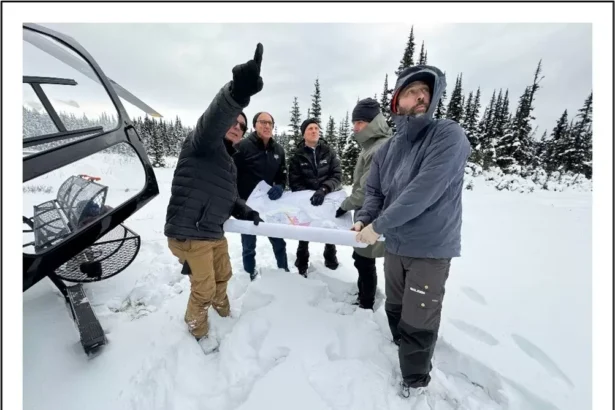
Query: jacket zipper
point(198, 221)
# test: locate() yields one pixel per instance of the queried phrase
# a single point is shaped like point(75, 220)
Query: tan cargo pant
point(211, 270)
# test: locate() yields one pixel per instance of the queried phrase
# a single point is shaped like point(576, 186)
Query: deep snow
point(515, 334)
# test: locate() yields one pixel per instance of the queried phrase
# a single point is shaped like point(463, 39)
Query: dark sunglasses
point(243, 126)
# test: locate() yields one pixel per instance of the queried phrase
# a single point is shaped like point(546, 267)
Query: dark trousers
point(415, 290)
point(248, 243)
point(303, 256)
point(368, 280)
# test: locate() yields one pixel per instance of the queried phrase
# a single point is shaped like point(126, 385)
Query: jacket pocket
point(202, 215)
point(425, 289)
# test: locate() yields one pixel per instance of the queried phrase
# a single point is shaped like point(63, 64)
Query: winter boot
point(208, 344)
point(366, 305)
point(303, 258)
point(330, 255)
point(406, 391)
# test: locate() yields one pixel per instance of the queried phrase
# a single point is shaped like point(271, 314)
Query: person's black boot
point(303, 258)
point(330, 255)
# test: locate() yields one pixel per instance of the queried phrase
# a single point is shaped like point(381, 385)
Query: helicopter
point(74, 221)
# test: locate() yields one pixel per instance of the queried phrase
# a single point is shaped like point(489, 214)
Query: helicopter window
point(63, 100)
point(65, 200)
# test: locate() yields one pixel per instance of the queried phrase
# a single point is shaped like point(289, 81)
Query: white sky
point(177, 68)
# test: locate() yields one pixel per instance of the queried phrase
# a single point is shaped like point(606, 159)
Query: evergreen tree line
point(504, 137)
point(160, 138)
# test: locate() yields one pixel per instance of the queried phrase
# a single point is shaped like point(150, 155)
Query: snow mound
point(524, 181)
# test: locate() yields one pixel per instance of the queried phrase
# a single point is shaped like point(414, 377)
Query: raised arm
point(228, 103)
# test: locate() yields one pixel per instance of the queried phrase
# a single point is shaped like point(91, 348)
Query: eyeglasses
point(265, 122)
point(243, 126)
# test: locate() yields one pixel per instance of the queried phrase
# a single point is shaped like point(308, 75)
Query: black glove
point(318, 198)
point(247, 79)
point(275, 192)
point(253, 216)
point(339, 212)
point(186, 269)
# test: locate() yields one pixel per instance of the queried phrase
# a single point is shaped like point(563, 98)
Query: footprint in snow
point(255, 300)
point(474, 332)
point(474, 295)
point(541, 357)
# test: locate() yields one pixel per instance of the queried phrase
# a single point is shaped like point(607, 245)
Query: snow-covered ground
point(515, 334)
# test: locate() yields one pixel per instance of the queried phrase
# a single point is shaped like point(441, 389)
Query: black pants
point(303, 256)
point(368, 280)
point(414, 290)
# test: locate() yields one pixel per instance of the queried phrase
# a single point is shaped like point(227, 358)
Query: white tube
point(299, 233)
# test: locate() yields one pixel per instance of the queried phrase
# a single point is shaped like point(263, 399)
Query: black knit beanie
point(366, 110)
point(306, 123)
point(259, 113)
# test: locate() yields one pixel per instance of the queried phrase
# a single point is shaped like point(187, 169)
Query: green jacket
point(370, 139)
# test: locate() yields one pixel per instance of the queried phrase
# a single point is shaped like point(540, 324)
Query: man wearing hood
point(413, 198)
point(314, 166)
point(260, 158)
point(370, 131)
point(204, 195)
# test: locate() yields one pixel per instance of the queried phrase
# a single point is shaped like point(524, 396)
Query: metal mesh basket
point(80, 199)
point(107, 257)
point(49, 223)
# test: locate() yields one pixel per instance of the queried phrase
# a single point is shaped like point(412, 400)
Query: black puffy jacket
point(256, 162)
point(310, 169)
point(204, 188)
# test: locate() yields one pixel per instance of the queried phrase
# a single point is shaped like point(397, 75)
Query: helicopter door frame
point(40, 265)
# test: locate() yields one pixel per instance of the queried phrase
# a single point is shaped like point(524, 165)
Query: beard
point(414, 111)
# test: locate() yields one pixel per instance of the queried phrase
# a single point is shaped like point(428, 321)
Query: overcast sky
point(178, 68)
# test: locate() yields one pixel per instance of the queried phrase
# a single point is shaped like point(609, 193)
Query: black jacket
point(256, 163)
point(204, 190)
point(312, 170)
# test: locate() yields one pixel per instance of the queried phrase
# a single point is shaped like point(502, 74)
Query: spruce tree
point(385, 101)
point(295, 121)
point(331, 135)
point(583, 132)
point(467, 110)
point(556, 145)
point(316, 109)
point(486, 132)
point(441, 108)
point(539, 153)
point(178, 136)
point(407, 59)
point(349, 158)
point(157, 147)
point(343, 136)
point(515, 148)
point(423, 55)
point(455, 107)
point(573, 149)
point(471, 126)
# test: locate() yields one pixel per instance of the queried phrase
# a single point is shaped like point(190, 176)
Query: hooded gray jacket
point(413, 192)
